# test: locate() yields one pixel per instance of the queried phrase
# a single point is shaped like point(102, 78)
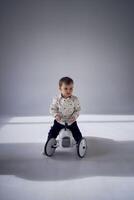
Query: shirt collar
point(61, 96)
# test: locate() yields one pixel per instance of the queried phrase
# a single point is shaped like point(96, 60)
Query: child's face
point(66, 90)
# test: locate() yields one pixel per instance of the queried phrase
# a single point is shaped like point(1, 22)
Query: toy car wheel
point(82, 148)
point(50, 146)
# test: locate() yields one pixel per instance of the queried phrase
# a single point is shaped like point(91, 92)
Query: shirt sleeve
point(77, 108)
point(53, 109)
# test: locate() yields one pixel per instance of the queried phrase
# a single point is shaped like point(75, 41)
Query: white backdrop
point(90, 41)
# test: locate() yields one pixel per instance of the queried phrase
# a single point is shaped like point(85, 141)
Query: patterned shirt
point(66, 107)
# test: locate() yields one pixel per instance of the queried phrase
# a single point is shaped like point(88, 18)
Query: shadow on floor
point(105, 157)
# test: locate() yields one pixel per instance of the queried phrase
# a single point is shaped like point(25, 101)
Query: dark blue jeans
point(55, 129)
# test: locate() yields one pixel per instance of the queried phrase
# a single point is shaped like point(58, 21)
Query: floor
point(106, 172)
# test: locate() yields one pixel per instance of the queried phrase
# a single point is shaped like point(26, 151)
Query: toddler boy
point(65, 107)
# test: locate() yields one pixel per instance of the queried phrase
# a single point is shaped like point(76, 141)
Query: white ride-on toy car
point(66, 140)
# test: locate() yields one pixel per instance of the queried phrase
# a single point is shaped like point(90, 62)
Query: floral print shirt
point(66, 107)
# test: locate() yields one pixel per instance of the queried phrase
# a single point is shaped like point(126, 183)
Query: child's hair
point(66, 80)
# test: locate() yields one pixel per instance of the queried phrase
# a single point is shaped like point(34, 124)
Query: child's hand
point(58, 117)
point(71, 119)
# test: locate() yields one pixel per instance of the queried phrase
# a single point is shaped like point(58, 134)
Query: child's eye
point(65, 88)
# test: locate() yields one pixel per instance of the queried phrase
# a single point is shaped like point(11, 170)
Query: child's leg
point(75, 131)
point(55, 129)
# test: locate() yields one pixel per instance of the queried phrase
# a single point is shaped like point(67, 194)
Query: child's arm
point(53, 109)
point(77, 108)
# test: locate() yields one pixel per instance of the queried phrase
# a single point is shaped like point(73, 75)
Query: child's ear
point(59, 88)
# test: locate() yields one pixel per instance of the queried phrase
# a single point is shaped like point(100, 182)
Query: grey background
point(90, 41)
